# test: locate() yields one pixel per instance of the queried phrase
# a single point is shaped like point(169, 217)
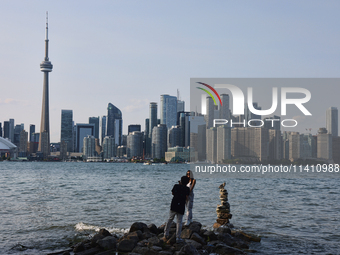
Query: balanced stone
point(223, 210)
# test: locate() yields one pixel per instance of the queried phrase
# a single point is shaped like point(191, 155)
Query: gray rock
point(196, 237)
point(154, 241)
point(227, 239)
point(195, 227)
point(186, 233)
point(188, 250)
point(194, 243)
point(223, 229)
point(136, 236)
point(126, 245)
point(138, 226)
point(107, 243)
point(165, 253)
point(210, 235)
point(79, 247)
point(104, 232)
point(95, 238)
point(156, 248)
point(144, 251)
point(148, 235)
point(153, 229)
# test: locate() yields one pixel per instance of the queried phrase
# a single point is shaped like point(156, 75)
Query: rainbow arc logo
point(209, 93)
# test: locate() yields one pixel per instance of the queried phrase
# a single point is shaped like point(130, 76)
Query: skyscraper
point(45, 67)
point(103, 125)
point(152, 117)
point(168, 110)
point(159, 141)
point(134, 127)
point(32, 131)
point(332, 121)
point(114, 126)
point(95, 121)
point(66, 131)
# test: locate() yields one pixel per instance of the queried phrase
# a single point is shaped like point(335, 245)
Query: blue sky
point(128, 53)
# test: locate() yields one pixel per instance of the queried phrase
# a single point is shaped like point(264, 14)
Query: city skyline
point(103, 52)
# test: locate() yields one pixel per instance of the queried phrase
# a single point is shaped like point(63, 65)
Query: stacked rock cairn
point(223, 210)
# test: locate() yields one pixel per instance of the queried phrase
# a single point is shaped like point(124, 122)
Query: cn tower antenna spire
point(46, 26)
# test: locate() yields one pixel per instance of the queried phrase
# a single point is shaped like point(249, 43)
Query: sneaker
point(179, 240)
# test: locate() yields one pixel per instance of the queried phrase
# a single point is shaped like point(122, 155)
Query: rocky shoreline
point(147, 240)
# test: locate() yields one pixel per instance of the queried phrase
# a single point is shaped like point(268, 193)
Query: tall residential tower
point(45, 67)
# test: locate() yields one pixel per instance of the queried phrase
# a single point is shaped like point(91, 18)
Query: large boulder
point(196, 237)
point(195, 227)
point(226, 238)
point(223, 230)
point(104, 232)
point(138, 226)
point(126, 245)
point(186, 233)
point(107, 243)
point(188, 250)
point(154, 241)
point(153, 229)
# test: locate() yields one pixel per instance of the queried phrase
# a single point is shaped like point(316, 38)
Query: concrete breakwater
point(147, 239)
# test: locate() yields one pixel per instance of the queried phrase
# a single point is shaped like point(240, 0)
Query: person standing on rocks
point(180, 194)
point(190, 200)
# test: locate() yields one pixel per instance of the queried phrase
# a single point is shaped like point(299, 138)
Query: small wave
point(83, 227)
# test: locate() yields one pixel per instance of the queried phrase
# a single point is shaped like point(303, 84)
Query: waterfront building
point(114, 123)
point(224, 111)
point(168, 110)
point(95, 121)
point(332, 121)
point(295, 145)
point(272, 122)
point(211, 145)
point(17, 130)
point(180, 106)
point(250, 143)
point(324, 145)
point(159, 141)
point(134, 146)
point(6, 130)
point(152, 117)
point(336, 149)
point(275, 144)
point(174, 137)
point(0, 129)
point(109, 148)
point(8, 149)
point(177, 153)
point(89, 147)
point(66, 130)
point(11, 130)
point(223, 143)
point(45, 67)
point(82, 131)
point(134, 127)
point(210, 112)
point(23, 143)
point(103, 128)
point(32, 131)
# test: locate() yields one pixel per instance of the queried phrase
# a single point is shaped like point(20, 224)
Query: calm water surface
point(47, 206)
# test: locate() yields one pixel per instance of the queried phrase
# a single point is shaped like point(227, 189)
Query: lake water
point(47, 206)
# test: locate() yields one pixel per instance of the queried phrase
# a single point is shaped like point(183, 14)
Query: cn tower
point(46, 67)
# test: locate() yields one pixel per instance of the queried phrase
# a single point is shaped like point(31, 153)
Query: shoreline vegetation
point(147, 240)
